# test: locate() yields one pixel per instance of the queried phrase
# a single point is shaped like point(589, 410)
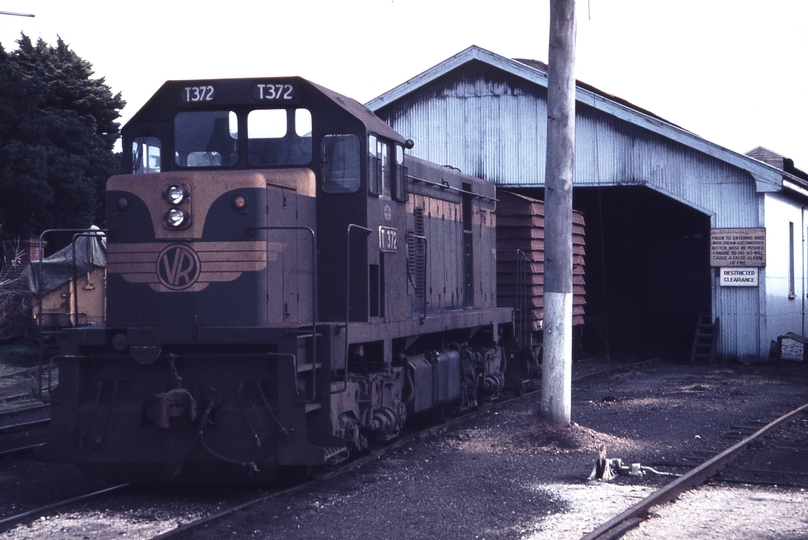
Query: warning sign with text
point(738, 247)
point(739, 277)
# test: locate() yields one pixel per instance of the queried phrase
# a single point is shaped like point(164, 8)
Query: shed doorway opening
point(648, 270)
point(648, 275)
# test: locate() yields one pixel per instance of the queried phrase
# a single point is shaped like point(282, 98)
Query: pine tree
point(57, 133)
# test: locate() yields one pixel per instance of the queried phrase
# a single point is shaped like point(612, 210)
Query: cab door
point(282, 256)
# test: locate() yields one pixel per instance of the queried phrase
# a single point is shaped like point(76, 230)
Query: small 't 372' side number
point(196, 94)
point(388, 239)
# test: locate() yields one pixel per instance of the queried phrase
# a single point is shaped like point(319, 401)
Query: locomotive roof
point(166, 100)
point(368, 117)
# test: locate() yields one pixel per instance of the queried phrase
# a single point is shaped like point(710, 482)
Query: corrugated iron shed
point(486, 115)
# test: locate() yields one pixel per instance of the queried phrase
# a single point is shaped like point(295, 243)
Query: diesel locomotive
point(285, 286)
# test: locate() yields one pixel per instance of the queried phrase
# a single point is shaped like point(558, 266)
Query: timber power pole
point(557, 358)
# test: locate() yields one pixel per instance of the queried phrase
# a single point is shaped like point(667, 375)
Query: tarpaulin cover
point(90, 251)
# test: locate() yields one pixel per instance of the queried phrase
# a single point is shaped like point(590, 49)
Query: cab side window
point(380, 167)
point(374, 166)
point(340, 155)
point(400, 180)
point(387, 176)
point(145, 155)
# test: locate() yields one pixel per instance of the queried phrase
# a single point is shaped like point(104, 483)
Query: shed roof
point(767, 178)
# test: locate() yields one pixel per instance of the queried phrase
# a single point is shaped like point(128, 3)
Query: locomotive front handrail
point(252, 230)
point(348, 296)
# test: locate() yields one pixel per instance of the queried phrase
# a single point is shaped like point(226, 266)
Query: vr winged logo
point(188, 267)
point(178, 267)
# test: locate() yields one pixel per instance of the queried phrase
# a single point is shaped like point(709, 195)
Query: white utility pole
point(557, 358)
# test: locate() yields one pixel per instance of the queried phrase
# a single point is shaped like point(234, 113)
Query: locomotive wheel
point(318, 472)
point(445, 414)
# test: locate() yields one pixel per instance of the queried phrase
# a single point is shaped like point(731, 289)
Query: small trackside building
point(679, 229)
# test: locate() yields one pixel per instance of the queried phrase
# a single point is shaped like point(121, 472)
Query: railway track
point(19, 391)
point(24, 418)
point(22, 436)
point(30, 515)
point(777, 459)
point(193, 517)
point(186, 526)
point(791, 426)
point(23, 430)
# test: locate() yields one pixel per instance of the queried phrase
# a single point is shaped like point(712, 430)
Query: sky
point(734, 72)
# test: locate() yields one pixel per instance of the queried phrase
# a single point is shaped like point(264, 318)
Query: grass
point(18, 356)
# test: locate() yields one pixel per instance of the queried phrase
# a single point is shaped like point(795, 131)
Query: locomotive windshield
point(206, 139)
point(279, 137)
point(275, 137)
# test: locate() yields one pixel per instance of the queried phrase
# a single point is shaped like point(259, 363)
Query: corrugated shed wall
point(493, 125)
point(612, 152)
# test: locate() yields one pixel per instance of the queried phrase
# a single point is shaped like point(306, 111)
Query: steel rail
point(12, 428)
point(18, 373)
point(13, 520)
point(21, 449)
point(630, 518)
point(12, 397)
point(21, 410)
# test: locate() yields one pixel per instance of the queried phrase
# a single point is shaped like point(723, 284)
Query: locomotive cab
point(256, 158)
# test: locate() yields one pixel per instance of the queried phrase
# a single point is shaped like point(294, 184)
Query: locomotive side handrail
point(348, 296)
point(252, 230)
point(451, 188)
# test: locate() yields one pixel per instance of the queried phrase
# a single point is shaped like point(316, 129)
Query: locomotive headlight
point(239, 202)
point(176, 218)
point(175, 194)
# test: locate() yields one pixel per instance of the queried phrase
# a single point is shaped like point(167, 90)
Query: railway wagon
point(286, 286)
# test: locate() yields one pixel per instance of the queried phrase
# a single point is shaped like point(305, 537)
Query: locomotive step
point(311, 407)
point(307, 367)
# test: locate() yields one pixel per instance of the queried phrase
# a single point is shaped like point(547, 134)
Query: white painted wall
point(783, 307)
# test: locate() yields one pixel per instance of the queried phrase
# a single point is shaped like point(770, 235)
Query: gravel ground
point(507, 475)
point(746, 514)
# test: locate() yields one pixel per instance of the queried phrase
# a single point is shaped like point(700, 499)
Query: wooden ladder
point(705, 341)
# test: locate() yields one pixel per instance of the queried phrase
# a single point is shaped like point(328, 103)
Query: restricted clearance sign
point(738, 247)
point(739, 277)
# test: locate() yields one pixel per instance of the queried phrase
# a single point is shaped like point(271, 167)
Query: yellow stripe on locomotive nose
point(191, 266)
